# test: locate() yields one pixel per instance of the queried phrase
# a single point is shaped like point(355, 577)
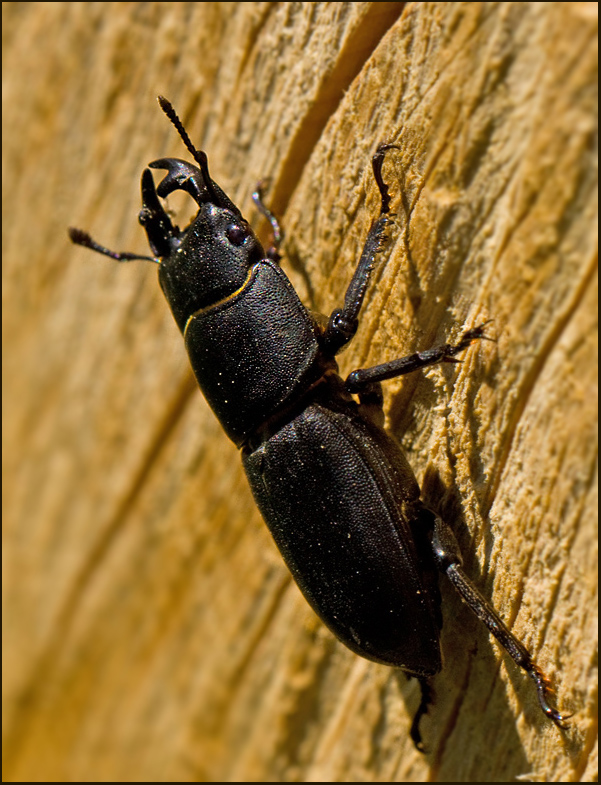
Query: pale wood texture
point(152, 632)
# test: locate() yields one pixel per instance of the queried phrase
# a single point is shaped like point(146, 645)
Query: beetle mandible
point(336, 492)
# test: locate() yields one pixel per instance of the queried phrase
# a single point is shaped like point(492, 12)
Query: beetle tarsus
point(546, 694)
point(422, 709)
point(377, 162)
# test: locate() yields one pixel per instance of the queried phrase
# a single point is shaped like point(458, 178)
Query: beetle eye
point(236, 234)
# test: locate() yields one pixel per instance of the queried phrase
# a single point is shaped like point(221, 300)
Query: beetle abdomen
point(352, 554)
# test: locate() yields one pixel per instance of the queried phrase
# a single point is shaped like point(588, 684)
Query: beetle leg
point(448, 560)
point(371, 400)
point(426, 700)
point(277, 231)
point(372, 395)
point(445, 353)
point(344, 321)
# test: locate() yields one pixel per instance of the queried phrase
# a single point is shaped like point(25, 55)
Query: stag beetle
point(336, 492)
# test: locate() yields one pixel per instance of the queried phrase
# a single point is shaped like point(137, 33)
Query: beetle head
point(210, 259)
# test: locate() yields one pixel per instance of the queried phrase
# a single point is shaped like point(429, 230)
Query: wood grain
point(152, 632)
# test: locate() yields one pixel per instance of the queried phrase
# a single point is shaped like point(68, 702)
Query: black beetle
point(335, 490)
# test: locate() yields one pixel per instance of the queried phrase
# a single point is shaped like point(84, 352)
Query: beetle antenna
point(199, 156)
point(167, 107)
point(79, 237)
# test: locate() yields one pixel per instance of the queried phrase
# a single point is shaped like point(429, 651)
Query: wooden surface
point(152, 632)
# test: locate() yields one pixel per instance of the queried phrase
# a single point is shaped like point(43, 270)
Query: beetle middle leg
point(364, 378)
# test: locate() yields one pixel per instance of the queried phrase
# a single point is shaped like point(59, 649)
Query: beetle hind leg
point(425, 701)
point(448, 560)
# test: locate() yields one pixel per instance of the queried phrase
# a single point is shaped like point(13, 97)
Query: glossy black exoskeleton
point(335, 490)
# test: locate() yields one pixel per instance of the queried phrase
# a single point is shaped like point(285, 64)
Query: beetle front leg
point(277, 233)
point(344, 321)
point(362, 378)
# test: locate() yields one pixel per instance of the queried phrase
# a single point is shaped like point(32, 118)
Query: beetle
point(335, 490)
